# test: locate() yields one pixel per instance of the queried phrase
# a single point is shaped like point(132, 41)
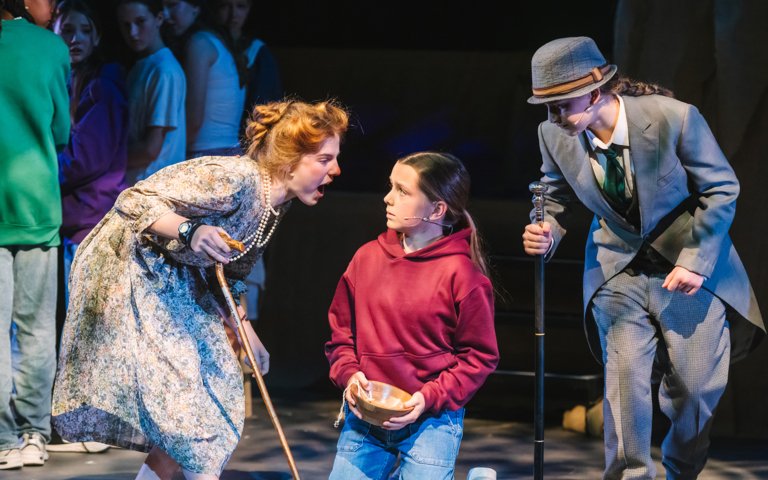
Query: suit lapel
point(644, 154)
point(577, 169)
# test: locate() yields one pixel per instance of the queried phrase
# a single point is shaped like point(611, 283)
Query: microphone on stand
point(539, 189)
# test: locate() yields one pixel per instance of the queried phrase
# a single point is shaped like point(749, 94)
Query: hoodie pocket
point(404, 370)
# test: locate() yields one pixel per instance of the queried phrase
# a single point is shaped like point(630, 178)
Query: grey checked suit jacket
point(686, 191)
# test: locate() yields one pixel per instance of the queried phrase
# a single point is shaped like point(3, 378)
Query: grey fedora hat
point(568, 68)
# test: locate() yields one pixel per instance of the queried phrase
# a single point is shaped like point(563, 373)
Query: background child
point(156, 92)
point(235, 22)
point(34, 108)
point(92, 167)
point(414, 309)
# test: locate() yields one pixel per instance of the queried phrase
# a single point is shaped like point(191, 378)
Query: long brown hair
point(179, 44)
point(621, 85)
point(238, 47)
point(443, 177)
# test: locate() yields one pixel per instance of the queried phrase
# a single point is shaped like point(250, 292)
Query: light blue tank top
point(224, 102)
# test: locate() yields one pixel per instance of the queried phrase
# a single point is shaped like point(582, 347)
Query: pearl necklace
point(257, 238)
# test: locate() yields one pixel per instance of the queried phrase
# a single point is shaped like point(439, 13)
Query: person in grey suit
point(666, 297)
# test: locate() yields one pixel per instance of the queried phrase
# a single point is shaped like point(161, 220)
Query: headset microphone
point(581, 117)
point(427, 220)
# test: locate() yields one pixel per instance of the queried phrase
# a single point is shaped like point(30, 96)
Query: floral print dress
point(145, 359)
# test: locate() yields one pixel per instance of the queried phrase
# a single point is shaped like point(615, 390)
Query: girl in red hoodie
point(414, 309)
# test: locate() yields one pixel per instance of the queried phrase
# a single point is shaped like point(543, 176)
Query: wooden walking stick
point(539, 189)
point(251, 357)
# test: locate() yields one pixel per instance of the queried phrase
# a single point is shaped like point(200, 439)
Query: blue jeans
point(68, 248)
point(427, 449)
point(28, 307)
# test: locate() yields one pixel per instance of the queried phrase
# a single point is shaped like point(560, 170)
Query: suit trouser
point(688, 336)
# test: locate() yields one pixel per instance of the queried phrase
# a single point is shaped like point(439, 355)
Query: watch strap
point(186, 237)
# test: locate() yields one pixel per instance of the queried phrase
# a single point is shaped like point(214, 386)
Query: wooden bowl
point(381, 403)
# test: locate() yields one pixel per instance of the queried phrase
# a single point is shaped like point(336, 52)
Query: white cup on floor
point(481, 473)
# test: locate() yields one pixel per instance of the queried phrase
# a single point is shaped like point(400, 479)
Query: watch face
point(184, 227)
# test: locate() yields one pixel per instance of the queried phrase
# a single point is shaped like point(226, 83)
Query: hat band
point(594, 76)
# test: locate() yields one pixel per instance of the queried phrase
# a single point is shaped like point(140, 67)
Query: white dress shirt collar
point(620, 134)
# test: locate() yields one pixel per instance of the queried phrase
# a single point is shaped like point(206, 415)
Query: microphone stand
point(538, 189)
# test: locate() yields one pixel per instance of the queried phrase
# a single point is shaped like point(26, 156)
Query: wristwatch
point(187, 229)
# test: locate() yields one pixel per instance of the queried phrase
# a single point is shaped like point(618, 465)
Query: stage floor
point(503, 444)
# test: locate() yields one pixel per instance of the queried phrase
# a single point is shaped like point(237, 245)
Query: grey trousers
point(28, 286)
point(688, 338)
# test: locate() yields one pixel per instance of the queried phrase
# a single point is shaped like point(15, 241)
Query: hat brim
point(535, 100)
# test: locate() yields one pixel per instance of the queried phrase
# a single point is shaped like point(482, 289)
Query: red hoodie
point(421, 321)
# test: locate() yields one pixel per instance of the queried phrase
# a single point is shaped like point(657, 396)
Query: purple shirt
point(92, 167)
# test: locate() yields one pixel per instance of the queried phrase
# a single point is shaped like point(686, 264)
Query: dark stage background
point(426, 75)
point(423, 75)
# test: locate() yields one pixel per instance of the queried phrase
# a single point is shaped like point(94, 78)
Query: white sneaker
point(33, 449)
point(10, 458)
point(77, 447)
